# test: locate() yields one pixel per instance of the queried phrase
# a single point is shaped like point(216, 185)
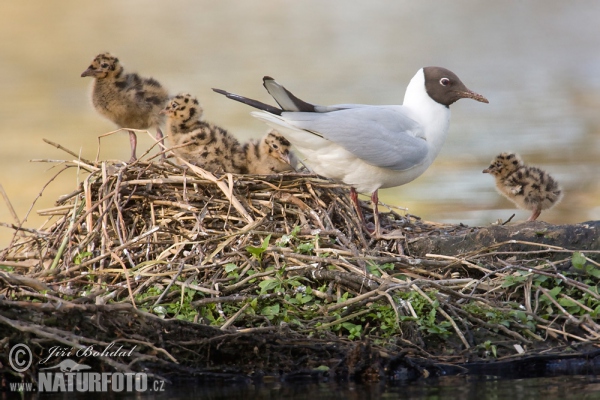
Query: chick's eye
point(104, 65)
point(275, 146)
point(444, 81)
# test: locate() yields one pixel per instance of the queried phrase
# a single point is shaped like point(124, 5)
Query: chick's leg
point(536, 213)
point(161, 138)
point(133, 142)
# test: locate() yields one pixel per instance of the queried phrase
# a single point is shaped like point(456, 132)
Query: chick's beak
point(285, 157)
point(87, 72)
point(486, 171)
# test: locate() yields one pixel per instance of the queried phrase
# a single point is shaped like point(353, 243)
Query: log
point(515, 238)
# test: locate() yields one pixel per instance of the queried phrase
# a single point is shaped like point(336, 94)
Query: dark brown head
point(504, 164)
point(445, 87)
point(102, 66)
point(183, 107)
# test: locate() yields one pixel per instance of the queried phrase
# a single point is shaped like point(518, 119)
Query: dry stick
point(509, 219)
point(586, 308)
point(352, 300)
point(65, 241)
point(235, 298)
point(393, 304)
point(19, 228)
point(9, 205)
point(570, 317)
point(58, 146)
point(562, 333)
point(444, 313)
point(344, 319)
point(459, 260)
point(112, 133)
point(120, 226)
point(162, 295)
point(147, 344)
point(234, 317)
point(88, 203)
point(103, 206)
point(572, 282)
point(31, 208)
point(196, 287)
point(484, 252)
point(121, 247)
point(228, 191)
point(126, 278)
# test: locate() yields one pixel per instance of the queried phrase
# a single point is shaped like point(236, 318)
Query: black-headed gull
point(529, 188)
point(365, 146)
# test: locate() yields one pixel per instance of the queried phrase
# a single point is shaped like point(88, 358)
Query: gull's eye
point(104, 65)
point(444, 81)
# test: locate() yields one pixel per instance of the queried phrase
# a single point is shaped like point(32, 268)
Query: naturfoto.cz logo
point(71, 376)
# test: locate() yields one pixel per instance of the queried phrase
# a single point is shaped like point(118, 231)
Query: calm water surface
point(537, 61)
point(448, 388)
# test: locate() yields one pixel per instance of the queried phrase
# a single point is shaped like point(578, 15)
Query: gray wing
point(383, 136)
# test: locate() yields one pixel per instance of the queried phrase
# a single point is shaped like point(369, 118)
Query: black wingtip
point(284, 103)
point(252, 103)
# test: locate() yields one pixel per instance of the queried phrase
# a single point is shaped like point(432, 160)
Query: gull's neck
point(433, 116)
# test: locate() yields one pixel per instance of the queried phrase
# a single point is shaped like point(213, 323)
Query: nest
point(194, 271)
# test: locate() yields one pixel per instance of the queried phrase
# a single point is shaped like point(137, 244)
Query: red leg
point(375, 201)
point(161, 139)
point(133, 142)
point(536, 213)
point(354, 198)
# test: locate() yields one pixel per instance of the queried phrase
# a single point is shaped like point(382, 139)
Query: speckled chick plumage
point(206, 145)
point(127, 99)
point(530, 188)
point(270, 155)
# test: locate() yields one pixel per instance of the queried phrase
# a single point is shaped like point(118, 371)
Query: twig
point(445, 314)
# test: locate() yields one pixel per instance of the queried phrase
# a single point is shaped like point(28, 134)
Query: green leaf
point(554, 292)
point(257, 252)
point(230, 267)
point(306, 247)
point(270, 311)
point(268, 284)
point(567, 302)
point(305, 299)
point(80, 256)
point(578, 260)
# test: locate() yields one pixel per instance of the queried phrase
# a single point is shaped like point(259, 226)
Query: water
point(537, 62)
point(446, 388)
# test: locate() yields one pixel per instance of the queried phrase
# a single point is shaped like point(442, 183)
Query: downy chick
point(529, 188)
point(270, 155)
point(126, 99)
point(207, 146)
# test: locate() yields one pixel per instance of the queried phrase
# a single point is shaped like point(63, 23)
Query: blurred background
point(537, 61)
